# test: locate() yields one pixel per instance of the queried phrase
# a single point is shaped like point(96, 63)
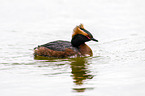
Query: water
point(117, 67)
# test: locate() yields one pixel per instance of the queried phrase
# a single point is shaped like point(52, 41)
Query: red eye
point(88, 37)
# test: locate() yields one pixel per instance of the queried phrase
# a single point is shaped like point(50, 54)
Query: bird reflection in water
point(80, 73)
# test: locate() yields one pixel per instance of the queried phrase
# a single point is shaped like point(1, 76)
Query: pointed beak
point(94, 39)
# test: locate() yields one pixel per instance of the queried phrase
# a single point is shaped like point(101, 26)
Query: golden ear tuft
point(81, 26)
point(77, 30)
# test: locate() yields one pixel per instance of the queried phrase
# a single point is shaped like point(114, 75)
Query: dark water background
point(117, 67)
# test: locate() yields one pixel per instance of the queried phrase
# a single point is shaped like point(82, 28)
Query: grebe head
point(81, 35)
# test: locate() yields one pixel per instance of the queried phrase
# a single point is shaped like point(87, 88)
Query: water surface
point(117, 67)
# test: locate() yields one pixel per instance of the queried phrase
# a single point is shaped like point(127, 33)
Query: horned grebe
point(63, 49)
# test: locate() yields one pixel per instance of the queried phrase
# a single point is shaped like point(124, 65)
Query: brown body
point(43, 51)
point(83, 50)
